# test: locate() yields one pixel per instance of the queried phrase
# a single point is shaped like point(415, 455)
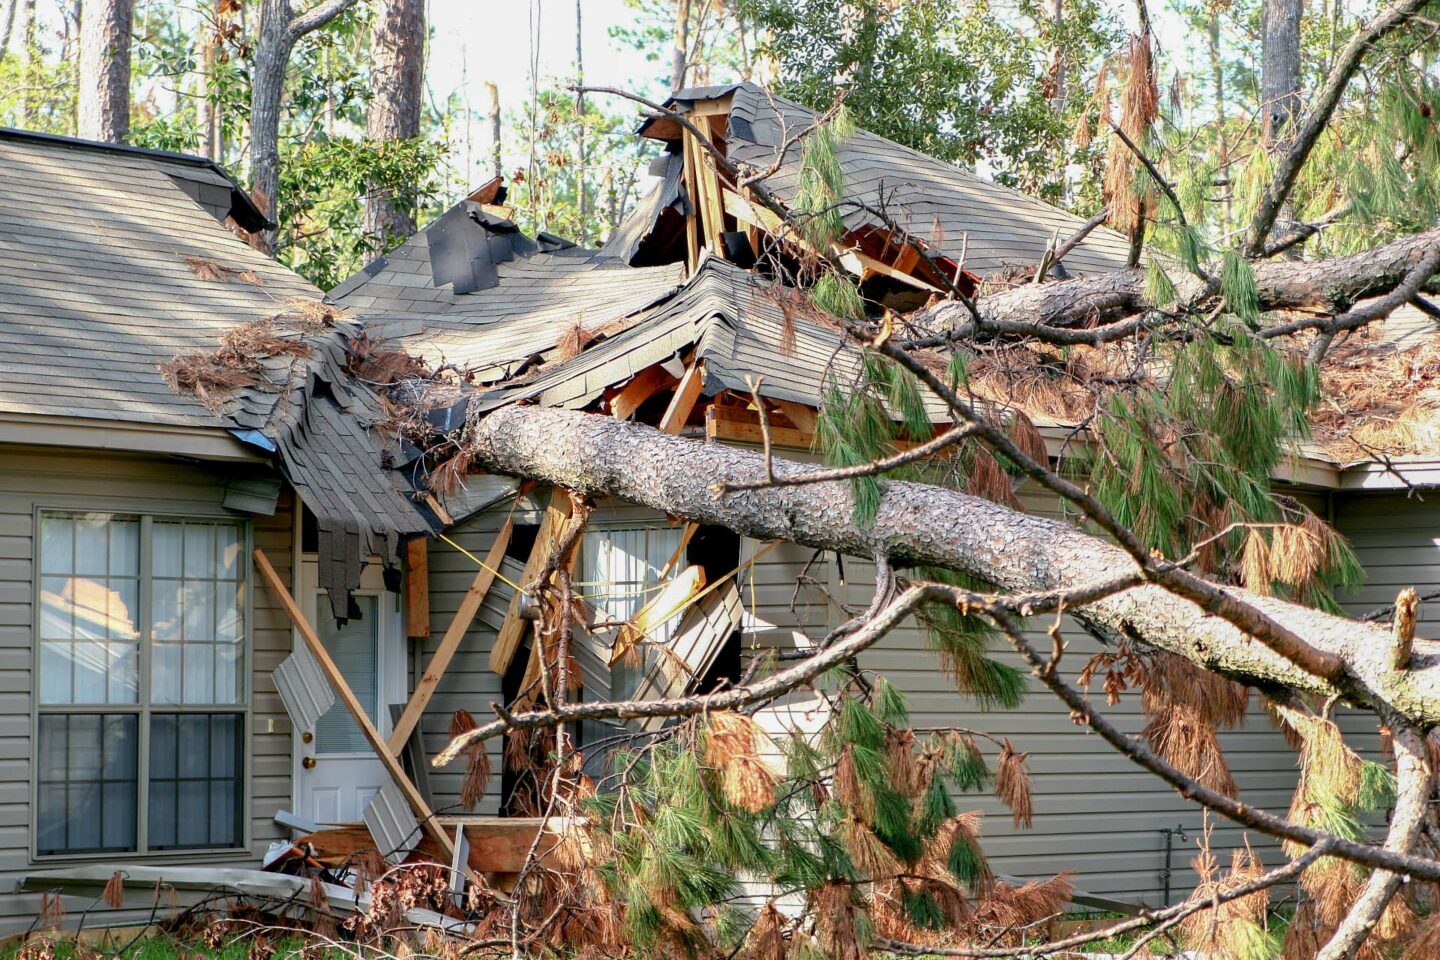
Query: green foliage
point(957, 81)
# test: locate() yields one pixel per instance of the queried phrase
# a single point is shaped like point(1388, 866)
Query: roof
point(957, 213)
point(96, 287)
point(739, 324)
point(191, 172)
point(114, 262)
point(531, 299)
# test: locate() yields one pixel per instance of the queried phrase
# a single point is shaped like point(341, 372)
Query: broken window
point(141, 684)
point(619, 572)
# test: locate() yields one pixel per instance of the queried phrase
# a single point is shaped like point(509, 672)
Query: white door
point(336, 772)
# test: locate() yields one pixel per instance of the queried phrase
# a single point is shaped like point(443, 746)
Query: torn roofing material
point(740, 325)
point(531, 298)
point(110, 270)
point(955, 212)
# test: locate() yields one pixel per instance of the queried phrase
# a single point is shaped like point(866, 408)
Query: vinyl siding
point(31, 478)
point(1095, 812)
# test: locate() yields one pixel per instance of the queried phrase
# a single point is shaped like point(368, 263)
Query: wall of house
point(1095, 812)
point(35, 477)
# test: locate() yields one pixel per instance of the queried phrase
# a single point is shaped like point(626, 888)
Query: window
point(620, 571)
point(141, 684)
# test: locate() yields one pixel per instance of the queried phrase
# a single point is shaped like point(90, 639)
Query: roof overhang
point(199, 443)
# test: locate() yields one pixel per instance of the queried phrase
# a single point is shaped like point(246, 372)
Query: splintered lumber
point(497, 844)
point(352, 704)
point(667, 603)
point(417, 589)
point(464, 616)
point(742, 426)
point(797, 413)
point(512, 631)
point(683, 401)
point(644, 385)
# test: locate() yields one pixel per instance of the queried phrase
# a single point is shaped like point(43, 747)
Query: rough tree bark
point(397, 75)
point(280, 29)
point(917, 523)
point(1329, 285)
point(680, 53)
point(104, 110)
point(1279, 66)
point(7, 23)
point(25, 38)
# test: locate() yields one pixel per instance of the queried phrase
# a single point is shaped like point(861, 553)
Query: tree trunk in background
point(1279, 66)
point(1057, 60)
point(211, 132)
point(582, 187)
point(397, 83)
point(495, 151)
point(25, 37)
point(680, 55)
point(1217, 77)
point(104, 112)
point(280, 28)
point(7, 24)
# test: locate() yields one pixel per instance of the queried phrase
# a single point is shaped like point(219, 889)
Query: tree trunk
point(104, 111)
point(581, 186)
point(1328, 285)
point(25, 33)
point(496, 158)
point(397, 84)
point(917, 523)
point(280, 28)
point(1279, 66)
point(7, 25)
point(1217, 79)
point(679, 56)
point(1057, 60)
point(211, 131)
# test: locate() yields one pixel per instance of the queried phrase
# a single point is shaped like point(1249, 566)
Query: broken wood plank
point(417, 588)
point(512, 631)
point(683, 402)
point(692, 195)
point(669, 602)
point(352, 704)
point(709, 178)
point(862, 264)
point(739, 425)
point(797, 413)
point(718, 107)
point(464, 616)
point(685, 536)
point(644, 385)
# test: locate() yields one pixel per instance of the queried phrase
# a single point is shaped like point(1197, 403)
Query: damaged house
point(230, 593)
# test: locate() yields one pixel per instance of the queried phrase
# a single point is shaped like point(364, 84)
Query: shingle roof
point(112, 262)
point(740, 324)
point(995, 225)
point(537, 298)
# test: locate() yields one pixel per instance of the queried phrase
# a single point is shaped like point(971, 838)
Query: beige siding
point(31, 478)
point(1095, 812)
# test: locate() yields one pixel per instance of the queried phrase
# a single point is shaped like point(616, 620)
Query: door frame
point(392, 665)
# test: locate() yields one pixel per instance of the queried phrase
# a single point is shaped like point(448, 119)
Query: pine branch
point(1289, 164)
point(317, 16)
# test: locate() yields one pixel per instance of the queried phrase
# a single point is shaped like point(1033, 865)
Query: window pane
point(354, 648)
point(124, 548)
point(57, 544)
point(91, 593)
point(169, 609)
point(165, 672)
point(168, 546)
point(227, 544)
point(87, 783)
point(227, 673)
point(199, 610)
point(92, 544)
point(199, 550)
point(195, 780)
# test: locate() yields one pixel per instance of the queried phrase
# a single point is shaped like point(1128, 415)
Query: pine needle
point(1012, 785)
point(1255, 563)
point(114, 893)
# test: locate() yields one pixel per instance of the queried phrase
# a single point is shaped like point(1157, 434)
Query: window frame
point(147, 512)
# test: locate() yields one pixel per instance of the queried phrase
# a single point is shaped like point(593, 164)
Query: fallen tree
point(923, 524)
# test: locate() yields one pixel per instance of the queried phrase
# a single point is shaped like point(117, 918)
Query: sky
point(478, 40)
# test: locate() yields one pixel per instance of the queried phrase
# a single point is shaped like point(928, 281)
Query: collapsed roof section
point(116, 264)
point(471, 291)
point(971, 225)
